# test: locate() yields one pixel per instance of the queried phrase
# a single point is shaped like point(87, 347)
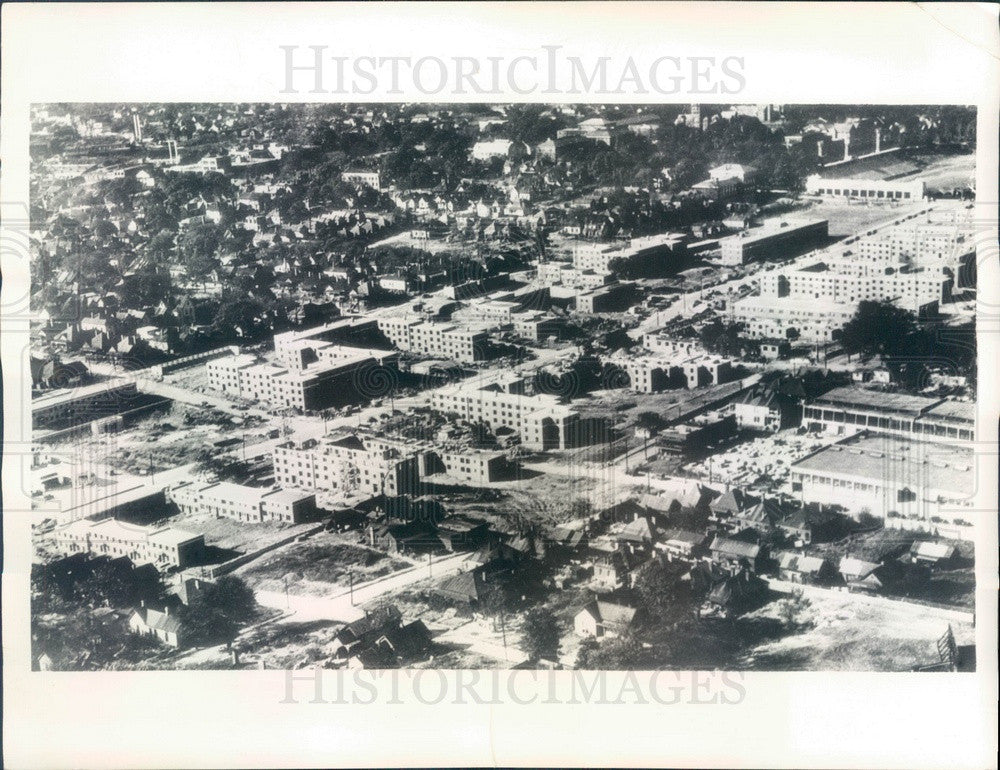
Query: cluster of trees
point(908, 346)
point(216, 614)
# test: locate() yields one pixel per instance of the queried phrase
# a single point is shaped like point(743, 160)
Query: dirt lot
point(319, 566)
point(236, 535)
point(944, 172)
point(848, 634)
point(848, 218)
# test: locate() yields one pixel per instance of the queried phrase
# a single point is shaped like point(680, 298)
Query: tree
point(621, 653)
point(231, 596)
point(793, 608)
point(878, 328)
point(540, 635)
point(664, 595)
point(204, 624)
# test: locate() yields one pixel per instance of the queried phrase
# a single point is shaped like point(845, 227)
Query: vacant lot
point(848, 633)
point(848, 218)
point(320, 566)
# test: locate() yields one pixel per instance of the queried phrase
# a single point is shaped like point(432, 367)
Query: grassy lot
point(845, 634)
point(236, 535)
point(947, 171)
point(848, 218)
point(319, 566)
point(292, 645)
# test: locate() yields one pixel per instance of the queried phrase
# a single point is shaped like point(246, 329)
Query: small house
point(166, 627)
point(601, 619)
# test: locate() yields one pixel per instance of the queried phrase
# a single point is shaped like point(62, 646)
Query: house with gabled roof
point(762, 516)
point(601, 619)
point(165, 626)
point(682, 544)
point(801, 568)
point(734, 554)
point(394, 648)
point(365, 630)
point(730, 503)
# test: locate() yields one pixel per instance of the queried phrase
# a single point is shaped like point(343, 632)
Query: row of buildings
point(915, 262)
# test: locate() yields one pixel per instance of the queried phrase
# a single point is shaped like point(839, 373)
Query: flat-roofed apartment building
point(81, 405)
point(353, 331)
point(346, 466)
point(915, 485)
point(651, 374)
point(792, 318)
point(850, 281)
point(541, 421)
point(848, 410)
point(772, 237)
point(313, 386)
point(163, 547)
point(447, 340)
point(470, 466)
point(371, 178)
point(239, 502)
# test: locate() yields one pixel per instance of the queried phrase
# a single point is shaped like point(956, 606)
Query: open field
point(319, 566)
point(846, 633)
point(944, 172)
point(848, 218)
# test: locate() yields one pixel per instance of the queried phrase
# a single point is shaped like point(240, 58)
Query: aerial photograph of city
point(499, 386)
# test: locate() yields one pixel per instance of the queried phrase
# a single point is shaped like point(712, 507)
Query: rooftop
point(938, 467)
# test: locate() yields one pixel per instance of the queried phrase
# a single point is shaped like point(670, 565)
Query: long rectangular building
point(257, 505)
point(541, 421)
point(163, 547)
point(850, 281)
point(772, 239)
point(865, 189)
point(447, 340)
point(848, 410)
point(81, 405)
point(913, 485)
point(792, 318)
point(315, 385)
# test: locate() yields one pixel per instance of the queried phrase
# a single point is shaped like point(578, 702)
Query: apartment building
point(239, 502)
point(308, 386)
point(356, 331)
point(541, 421)
point(612, 298)
point(922, 242)
point(651, 374)
point(81, 405)
point(850, 281)
point(346, 466)
point(772, 239)
point(792, 318)
point(371, 178)
point(468, 466)
point(164, 547)
point(447, 340)
point(224, 373)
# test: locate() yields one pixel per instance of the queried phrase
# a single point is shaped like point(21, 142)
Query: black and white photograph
point(480, 384)
point(503, 385)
